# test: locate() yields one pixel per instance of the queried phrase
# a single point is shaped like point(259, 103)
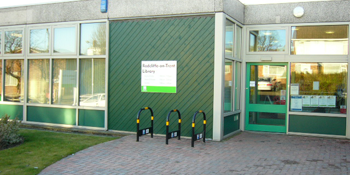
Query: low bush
point(9, 132)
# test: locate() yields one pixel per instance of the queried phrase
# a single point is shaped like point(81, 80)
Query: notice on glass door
point(158, 76)
point(314, 101)
point(296, 103)
point(306, 100)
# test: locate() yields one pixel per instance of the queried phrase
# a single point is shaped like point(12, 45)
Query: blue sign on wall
point(104, 5)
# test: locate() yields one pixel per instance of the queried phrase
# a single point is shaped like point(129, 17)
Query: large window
point(267, 40)
point(64, 81)
point(319, 87)
point(13, 42)
point(93, 39)
point(92, 82)
point(319, 40)
point(38, 81)
point(39, 40)
point(14, 80)
point(64, 40)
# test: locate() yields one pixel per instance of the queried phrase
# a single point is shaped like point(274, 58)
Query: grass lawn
point(43, 148)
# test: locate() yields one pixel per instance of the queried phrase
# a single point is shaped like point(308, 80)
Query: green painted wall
point(190, 41)
point(317, 124)
point(12, 110)
point(92, 118)
point(230, 125)
point(51, 115)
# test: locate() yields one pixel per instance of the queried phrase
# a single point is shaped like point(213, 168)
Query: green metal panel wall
point(188, 40)
point(12, 110)
point(92, 118)
point(317, 124)
point(51, 115)
point(230, 125)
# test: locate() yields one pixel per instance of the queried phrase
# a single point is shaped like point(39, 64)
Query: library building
point(93, 64)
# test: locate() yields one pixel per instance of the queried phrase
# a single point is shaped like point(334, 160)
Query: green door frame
point(264, 107)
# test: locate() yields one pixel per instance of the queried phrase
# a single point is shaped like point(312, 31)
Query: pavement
point(245, 153)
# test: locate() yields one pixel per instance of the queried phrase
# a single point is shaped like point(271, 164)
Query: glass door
point(266, 93)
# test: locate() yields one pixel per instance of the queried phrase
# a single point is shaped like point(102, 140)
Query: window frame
point(247, 38)
point(28, 41)
point(23, 41)
point(77, 38)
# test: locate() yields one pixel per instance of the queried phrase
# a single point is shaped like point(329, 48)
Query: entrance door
point(266, 93)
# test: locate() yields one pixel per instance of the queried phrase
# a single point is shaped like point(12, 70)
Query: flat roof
point(255, 2)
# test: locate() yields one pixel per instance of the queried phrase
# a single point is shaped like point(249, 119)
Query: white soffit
point(19, 3)
point(254, 2)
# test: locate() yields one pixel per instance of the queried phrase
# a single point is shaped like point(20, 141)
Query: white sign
point(316, 85)
point(159, 76)
point(294, 90)
point(296, 103)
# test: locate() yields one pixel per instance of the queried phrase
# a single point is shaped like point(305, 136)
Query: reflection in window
point(321, 87)
point(13, 42)
point(39, 40)
point(38, 81)
point(93, 39)
point(228, 86)
point(267, 40)
point(238, 42)
point(64, 40)
point(238, 85)
point(14, 80)
point(64, 81)
point(92, 82)
point(268, 84)
point(229, 38)
point(318, 40)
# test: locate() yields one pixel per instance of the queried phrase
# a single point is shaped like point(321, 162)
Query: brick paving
point(246, 153)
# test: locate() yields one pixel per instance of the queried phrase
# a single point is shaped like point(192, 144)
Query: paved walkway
point(246, 153)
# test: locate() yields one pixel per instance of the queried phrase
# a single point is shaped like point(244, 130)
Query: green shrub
point(9, 132)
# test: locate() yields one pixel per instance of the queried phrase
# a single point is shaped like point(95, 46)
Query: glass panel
point(238, 42)
point(92, 82)
point(38, 81)
point(64, 40)
point(265, 118)
point(64, 85)
point(267, 41)
point(238, 86)
point(1, 78)
point(318, 40)
point(39, 40)
point(0, 41)
point(14, 80)
point(13, 42)
point(268, 84)
point(229, 38)
point(228, 86)
point(319, 87)
point(93, 39)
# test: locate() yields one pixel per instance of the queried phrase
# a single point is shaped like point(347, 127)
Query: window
point(38, 81)
point(13, 42)
point(92, 82)
point(238, 42)
point(14, 82)
point(39, 40)
point(317, 40)
point(267, 40)
point(229, 38)
point(319, 87)
point(93, 39)
point(64, 81)
point(0, 42)
point(228, 101)
point(238, 86)
point(64, 40)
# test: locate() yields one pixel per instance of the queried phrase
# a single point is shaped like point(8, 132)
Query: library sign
point(158, 76)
